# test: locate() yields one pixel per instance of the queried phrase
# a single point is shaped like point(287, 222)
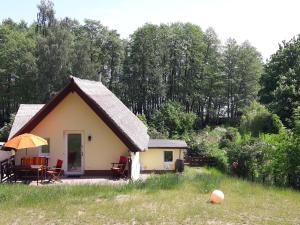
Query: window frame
point(45, 146)
point(165, 156)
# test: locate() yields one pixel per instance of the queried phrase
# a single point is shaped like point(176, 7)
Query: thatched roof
point(24, 114)
point(165, 143)
point(126, 121)
point(105, 104)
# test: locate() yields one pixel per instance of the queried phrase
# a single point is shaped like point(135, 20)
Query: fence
point(200, 160)
point(6, 169)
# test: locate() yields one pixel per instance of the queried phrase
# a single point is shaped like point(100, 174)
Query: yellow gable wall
point(73, 114)
point(153, 158)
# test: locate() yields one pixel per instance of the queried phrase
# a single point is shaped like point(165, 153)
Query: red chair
point(54, 173)
point(119, 169)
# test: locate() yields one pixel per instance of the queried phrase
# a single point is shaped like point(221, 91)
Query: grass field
point(162, 199)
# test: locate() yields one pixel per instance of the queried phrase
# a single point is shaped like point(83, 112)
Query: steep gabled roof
point(24, 114)
point(165, 143)
point(105, 104)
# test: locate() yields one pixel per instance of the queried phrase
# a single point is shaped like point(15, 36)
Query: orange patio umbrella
point(25, 141)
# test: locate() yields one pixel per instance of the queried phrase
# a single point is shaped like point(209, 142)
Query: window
point(46, 148)
point(168, 156)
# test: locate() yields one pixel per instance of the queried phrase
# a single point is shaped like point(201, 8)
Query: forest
point(183, 82)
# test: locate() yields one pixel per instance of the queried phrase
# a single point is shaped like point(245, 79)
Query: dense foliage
point(257, 119)
point(269, 155)
point(281, 81)
point(172, 119)
point(158, 63)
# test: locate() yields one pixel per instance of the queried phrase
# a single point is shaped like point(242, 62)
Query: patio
point(87, 180)
point(8, 175)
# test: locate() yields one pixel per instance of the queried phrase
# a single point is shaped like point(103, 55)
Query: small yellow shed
point(162, 155)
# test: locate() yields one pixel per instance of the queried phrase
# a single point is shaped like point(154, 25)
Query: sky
point(265, 23)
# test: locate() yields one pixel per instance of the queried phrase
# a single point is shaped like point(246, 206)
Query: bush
point(293, 153)
point(293, 169)
point(250, 158)
point(271, 158)
point(207, 143)
point(220, 156)
point(231, 135)
point(257, 119)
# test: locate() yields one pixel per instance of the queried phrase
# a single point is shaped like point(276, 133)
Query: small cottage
point(88, 127)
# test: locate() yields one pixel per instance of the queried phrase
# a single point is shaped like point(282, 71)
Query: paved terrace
point(87, 181)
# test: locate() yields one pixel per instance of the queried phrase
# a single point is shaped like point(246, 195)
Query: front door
point(74, 153)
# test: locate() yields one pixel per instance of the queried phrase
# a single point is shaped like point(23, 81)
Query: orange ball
point(217, 196)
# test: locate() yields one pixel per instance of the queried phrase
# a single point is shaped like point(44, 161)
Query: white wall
point(135, 165)
point(73, 114)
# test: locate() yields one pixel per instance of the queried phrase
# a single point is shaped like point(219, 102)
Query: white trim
point(135, 165)
point(65, 166)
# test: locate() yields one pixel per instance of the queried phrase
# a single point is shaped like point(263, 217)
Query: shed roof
point(105, 104)
point(165, 143)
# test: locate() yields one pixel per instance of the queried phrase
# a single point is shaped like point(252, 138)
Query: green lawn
point(163, 199)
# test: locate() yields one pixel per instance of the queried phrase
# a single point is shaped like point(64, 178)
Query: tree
point(98, 53)
point(143, 69)
point(212, 82)
point(242, 68)
point(45, 16)
point(280, 82)
point(54, 41)
point(158, 63)
point(172, 119)
point(53, 60)
point(17, 67)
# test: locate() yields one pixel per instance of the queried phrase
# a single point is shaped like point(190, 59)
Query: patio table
point(37, 169)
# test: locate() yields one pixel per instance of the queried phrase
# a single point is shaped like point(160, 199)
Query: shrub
point(220, 156)
point(249, 157)
point(257, 119)
point(293, 164)
point(207, 142)
point(231, 135)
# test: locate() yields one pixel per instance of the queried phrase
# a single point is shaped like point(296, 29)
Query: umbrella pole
point(26, 151)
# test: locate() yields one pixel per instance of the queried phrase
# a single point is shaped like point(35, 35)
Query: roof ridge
point(74, 78)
